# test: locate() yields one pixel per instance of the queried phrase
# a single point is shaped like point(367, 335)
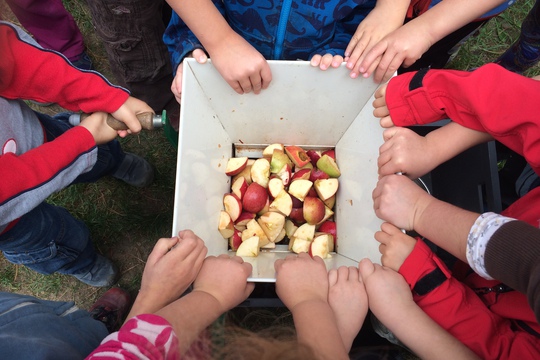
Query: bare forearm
point(452, 139)
point(433, 343)
point(450, 15)
point(316, 327)
point(190, 315)
point(445, 225)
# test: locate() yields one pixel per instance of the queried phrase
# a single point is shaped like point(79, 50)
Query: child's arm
point(413, 155)
point(391, 302)
point(302, 285)
point(409, 42)
point(240, 64)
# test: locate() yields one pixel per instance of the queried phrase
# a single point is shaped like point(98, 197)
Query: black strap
point(429, 282)
point(416, 80)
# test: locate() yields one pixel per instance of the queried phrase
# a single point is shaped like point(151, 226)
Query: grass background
point(125, 222)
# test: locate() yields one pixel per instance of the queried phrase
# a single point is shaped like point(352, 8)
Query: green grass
point(126, 222)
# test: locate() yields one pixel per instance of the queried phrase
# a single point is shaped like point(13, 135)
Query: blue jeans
point(48, 238)
point(41, 329)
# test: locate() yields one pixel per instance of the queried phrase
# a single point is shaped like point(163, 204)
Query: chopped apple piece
point(305, 231)
point(285, 174)
point(297, 155)
point(255, 198)
point(254, 229)
point(329, 166)
point(226, 226)
point(330, 202)
point(269, 150)
point(282, 203)
point(317, 174)
point(260, 172)
point(328, 227)
point(313, 210)
point(235, 165)
point(249, 247)
point(278, 160)
point(320, 246)
point(275, 186)
point(313, 156)
point(290, 228)
point(297, 215)
point(281, 236)
point(244, 218)
point(232, 205)
point(301, 245)
point(300, 188)
point(327, 214)
point(246, 173)
point(239, 187)
point(301, 174)
point(326, 188)
point(235, 240)
point(272, 223)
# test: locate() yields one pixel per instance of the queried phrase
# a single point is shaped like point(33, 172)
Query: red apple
point(318, 174)
point(232, 205)
point(255, 198)
point(313, 156)
point(296, 203)
point(235, 240)
point(301, 174)
point(328, 227)
point(297, 215)
point(239, 187)
point(297, 155)
point(313, 210)
point(244, 218)
point(331, 153)
point(235, 165)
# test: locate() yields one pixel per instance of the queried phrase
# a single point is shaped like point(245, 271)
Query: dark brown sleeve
point(513, 257)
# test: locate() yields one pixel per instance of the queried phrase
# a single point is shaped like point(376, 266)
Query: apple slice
point(317, 174)
point(305, 231)
point(330, 202)
point(266, 208)
point(300, 246)
point(300, 188)
point(297, 155)
point(254, 229)
point(260, 172)
point(239, 187)
point(225, 226)
point(275, 186)
point(301, 174)
point(235, 240)
point(320, 246)
point(269, 150)
point(329, 166)
point(255, 198)
point(331, 240)
point(314, 155)
point(246, 173)
point(249, 247)
point(290, 228)
point(313, 210)
point(235, 165)
point(244, 218)
point(328, 227)
point(326, 188)
point(269, 246)
point(272, 223)
point(308, 166)
point(297, 215)
point(330, 152)
point(328, 213)
point(232, 205)
point(282, 203)
point(285, 174)
point(278, 160)
point(281, 236)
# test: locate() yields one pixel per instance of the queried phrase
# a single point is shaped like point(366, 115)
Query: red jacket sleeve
point(457, 308)
point(490, 99)
point(29, 72)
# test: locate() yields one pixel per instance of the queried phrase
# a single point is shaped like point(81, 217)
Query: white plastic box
point(303, 106)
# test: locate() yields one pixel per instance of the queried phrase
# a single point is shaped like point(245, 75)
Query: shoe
point(111, 308)
point(83, 62)
point(102, 274)
point(135, 171)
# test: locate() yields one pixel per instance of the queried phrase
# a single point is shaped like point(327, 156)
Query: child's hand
point(225, 278)
point(96, 123)
point(324, 62)
point(380, 22)
point(176, 86)
point(128, 112)
point(395, 245)
point(171, 267)
point(301, 278)
point(406, 152)
point(381, 109)
point(388, 292)
point(403, 46)
point(241, 65)
point(399, 201)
